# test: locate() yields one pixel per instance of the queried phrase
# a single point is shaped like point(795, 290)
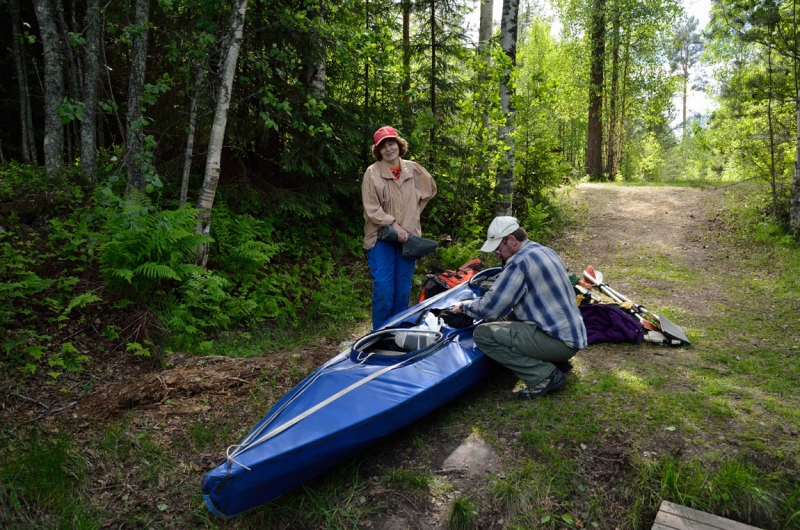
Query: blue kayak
point(385, 381)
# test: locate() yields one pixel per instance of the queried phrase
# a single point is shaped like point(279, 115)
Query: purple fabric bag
point(609, 323)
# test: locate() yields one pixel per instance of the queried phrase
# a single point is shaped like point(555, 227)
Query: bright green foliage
point(241, 243)
point(640, 32)
point(753, 134)
point(540, 164)
point(647, 166)
point(148, 249)
point(69, 359)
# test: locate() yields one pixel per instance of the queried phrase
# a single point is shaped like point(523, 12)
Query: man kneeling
point(532, 323)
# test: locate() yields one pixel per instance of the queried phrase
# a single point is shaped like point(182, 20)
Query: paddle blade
point(595, 277)
point(673, 331)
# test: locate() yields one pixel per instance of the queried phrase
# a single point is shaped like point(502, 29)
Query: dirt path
point(625, 225)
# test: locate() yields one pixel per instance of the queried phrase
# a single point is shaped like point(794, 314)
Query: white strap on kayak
point(235, 450)
point(240, 448)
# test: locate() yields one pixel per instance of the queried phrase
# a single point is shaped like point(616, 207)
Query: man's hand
point(456, 309)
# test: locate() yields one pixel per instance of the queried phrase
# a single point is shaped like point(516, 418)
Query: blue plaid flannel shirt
point(534, 285)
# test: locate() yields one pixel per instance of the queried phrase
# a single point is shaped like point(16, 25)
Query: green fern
point(82, 300)
point(241, 242)
point(149, 248)
point(155, 271)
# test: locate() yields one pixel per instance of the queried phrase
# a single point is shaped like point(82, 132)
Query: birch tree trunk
point(90, 82)
point(53, 86)
point(187, 159)
point(28, 146)
point(594, 134)
point(505, 173)
point(133, 129)
point(485, 28)
point(230, 54)
point(314, 60)
point(484, 45)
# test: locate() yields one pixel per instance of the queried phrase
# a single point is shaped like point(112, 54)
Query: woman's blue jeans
point(392, 276)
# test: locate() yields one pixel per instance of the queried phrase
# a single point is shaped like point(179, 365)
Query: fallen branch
point(40, 416)
point(26, 398)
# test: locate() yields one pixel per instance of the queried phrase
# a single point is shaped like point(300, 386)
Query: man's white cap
point(500, 228)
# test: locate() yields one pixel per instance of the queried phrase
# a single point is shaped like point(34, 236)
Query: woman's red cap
point(383, 133)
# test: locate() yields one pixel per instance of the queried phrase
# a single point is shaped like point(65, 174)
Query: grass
point(42, 484)
point(417, 484)
point(462, 514)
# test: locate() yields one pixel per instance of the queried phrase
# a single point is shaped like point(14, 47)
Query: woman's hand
point(402, 235)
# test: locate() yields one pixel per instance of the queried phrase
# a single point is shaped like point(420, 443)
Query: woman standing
point(394, 192)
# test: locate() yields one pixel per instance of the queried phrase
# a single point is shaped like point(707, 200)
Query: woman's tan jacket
point(387, 199)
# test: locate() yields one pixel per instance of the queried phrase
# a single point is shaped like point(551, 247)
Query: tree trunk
point(772, 172)
point(485, 29)
point(406, 6)
point(18, 50)
point(433, 57)
point(53, 87)
point(505, 173)
point(366, 63)
point(74, 74)
point(622, 133)
point(187, 159)
point(594, 134)
point(133, 130)
point(314, 62)
point(107, 70)
point(230, 54)
point(794, 198)
point(73, 77)
point(685, 94)
point(90, 82)
point(794, 203)
point(611, 145)
point(485, 47)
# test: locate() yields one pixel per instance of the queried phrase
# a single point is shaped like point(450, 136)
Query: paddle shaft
point(648, 319)
point(636, 307)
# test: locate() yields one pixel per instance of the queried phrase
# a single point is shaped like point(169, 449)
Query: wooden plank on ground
point(673, 516)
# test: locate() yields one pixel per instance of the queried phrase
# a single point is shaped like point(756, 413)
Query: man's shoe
point(553, 381)
point(564, 366)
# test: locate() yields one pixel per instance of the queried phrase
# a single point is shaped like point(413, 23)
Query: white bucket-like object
point(412, 340)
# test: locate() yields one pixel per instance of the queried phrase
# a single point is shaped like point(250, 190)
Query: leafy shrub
point(150, 249)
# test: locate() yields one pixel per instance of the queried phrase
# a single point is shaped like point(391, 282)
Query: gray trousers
point(523, 348)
